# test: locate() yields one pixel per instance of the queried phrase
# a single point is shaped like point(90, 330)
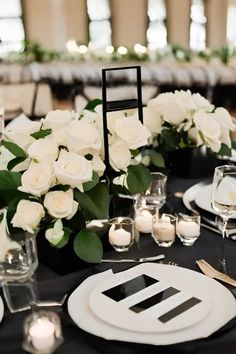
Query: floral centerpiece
point(52, 174)
point(183, 120)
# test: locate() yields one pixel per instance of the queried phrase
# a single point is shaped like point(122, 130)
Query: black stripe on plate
point(153, 300)
point(130, 287)
point(179, 309)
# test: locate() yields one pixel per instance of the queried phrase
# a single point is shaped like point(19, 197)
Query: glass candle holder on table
point(121, 233)
point(42, 332)
point(188, 228)
point(164, 229)
point(143, 217)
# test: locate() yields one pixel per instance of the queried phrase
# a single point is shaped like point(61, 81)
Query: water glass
point(156, 192)
point(188, 228)
point(121, 233)
point(164, 229)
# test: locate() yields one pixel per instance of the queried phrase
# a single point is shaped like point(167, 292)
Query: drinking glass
point(18, 262)
point(223, 200)
point(156, 192)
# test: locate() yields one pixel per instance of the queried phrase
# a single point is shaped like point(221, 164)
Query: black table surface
point(51, 285)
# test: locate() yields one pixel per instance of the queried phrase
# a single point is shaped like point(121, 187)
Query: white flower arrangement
point(51, 174)
point(181, 120)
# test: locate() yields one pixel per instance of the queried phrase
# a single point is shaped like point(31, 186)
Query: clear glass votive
point(121, 233)
point(164, 229)
point(188, 228)
point(156, 192)
point(42, 332)
point(143, 218)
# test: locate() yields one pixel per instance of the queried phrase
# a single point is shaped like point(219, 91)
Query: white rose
point(73, 169)
point(43, 150)
point(210, 129)
point(185, 101)
point(152, 120)
point(120, 156)
point(20, 131)
point(83, 137)
point(37, 179)
point(98, 165)
point(55, 234)
point(57, 119)
point(202, 103)
point(132, 132)
point(60, 204)
point(167, 108)
point(28, 215)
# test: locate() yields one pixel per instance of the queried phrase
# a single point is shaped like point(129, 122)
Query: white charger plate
point(223, 309)
point(1, 309)
point(117, 313)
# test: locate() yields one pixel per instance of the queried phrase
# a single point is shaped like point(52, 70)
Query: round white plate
point(190, 194)
point(223, 309)
point(188, 284)
point(1, 309)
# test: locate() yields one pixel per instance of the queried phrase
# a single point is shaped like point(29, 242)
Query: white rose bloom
point(132, 132)
point(185, 100)
point(59, 137)
point(167, 108)
point(37, 179)
point(202, 103)
point(83, 137)
point(210, 129)
point(73, 169)
point(20, 131)
point(55, 234)
point(120, 156)
point(152, 120)
point(57, 119)
point(222, 116)
point(28, 215)
point(43, 150)
point(98, 165)
point(61, 204)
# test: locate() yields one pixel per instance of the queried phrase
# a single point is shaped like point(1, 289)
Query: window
point(11, 26)
point(99, 23)
point(156, 32)
point(198, 25)
point(231, 20)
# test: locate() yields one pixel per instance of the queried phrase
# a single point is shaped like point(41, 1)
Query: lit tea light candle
point(143, 222)
point(42, 333)
point(188, 228)
point(119, 237)
point(164, 230)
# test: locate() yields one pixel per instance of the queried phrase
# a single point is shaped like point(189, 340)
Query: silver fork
point(208, 270)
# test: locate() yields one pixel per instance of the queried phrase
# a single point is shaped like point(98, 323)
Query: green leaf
point(64, 239)
point(224, 150)
point(9, 180)
point(95, 202)
point(88, 246)
point(138, 179)
point(170, 138)
point(11, 164)
point(89, 185)
point(93, 104)
point(157, 159)
point(42, 133)
point(14, 148)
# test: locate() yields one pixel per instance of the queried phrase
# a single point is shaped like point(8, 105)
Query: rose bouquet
point(52, 175)
point(183, 120)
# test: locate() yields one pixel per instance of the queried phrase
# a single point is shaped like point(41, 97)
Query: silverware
point(208, 270)
point(137, 260)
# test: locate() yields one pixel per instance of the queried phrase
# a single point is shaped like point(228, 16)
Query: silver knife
point(137, 260)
